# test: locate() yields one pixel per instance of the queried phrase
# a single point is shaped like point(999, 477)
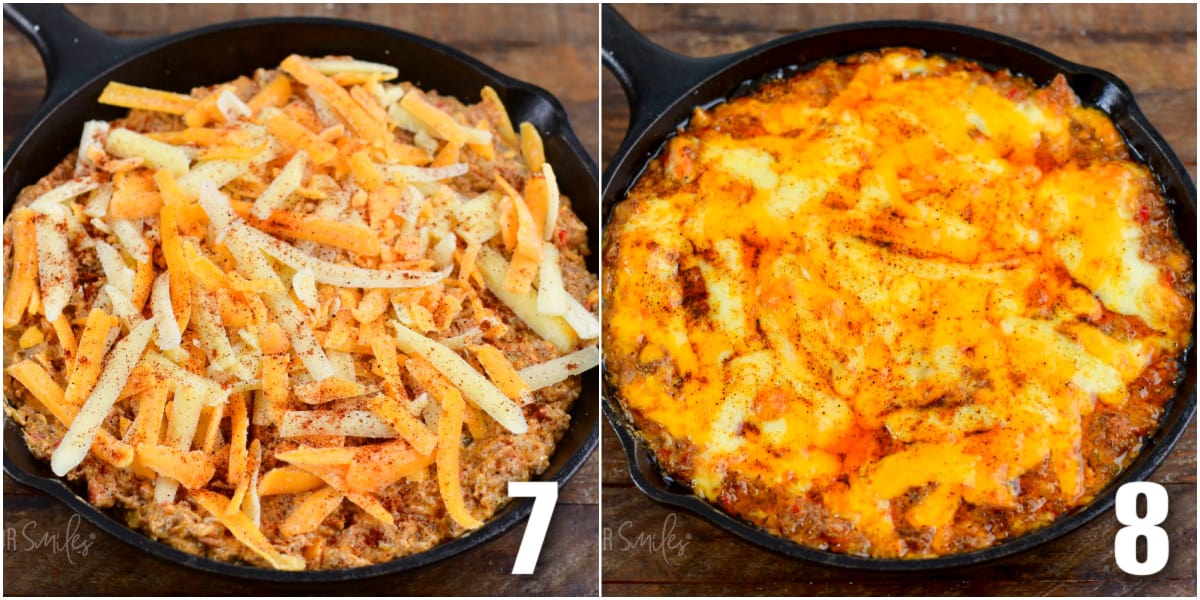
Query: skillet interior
point(223, 52)
point(739, 74)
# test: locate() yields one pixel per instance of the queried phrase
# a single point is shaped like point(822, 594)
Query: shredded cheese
point(553, 371)
point(56, 270)
point(474, 386)
point(310, 511)
point(448, 451)
point(128, 96)
point(21, 280)
point(245, 530)
point(288, 480)
point(73, 448)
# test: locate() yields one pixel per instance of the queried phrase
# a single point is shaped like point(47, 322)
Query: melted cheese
point(903, 258)
point(1099, 242)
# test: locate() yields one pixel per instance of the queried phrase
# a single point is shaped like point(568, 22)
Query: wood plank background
point(550, 46)
point(649, 549)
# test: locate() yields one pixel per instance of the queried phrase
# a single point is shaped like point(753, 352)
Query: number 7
point(545, 497)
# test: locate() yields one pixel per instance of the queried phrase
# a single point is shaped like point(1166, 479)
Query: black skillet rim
point(513, 513)
point(1177, 413)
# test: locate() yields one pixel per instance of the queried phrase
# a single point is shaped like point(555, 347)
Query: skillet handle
point(72, 51)
point(652, 76)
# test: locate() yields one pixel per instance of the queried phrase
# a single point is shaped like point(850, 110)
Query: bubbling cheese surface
point(905, 249)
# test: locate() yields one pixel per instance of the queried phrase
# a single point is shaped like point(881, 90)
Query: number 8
point(1157, 544)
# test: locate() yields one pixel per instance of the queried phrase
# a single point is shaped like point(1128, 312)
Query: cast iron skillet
point(662, 88)
point(80, 61)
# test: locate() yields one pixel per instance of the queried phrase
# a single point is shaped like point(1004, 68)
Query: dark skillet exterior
point(80, 61)
point(662, 88)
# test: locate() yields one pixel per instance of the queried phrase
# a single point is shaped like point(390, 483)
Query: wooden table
point(550, 46)
point(1153, 48)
